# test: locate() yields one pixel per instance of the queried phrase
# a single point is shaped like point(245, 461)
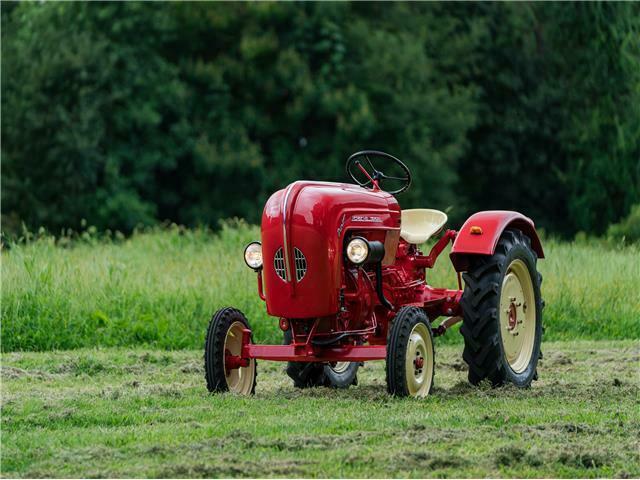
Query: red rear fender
point(488, 227)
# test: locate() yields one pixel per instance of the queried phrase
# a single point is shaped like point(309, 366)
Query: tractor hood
point(303, 230)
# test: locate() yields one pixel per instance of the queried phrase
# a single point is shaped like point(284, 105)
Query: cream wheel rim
point(340, 367)
point(239, 380)
point(419, 361)
point(517, 316)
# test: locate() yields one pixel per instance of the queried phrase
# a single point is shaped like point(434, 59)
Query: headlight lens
point(253, 255)
point(357, 250)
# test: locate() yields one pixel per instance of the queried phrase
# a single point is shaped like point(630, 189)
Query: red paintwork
point(234, 361)
point(284, 324)
point(260, 289)
point(513, 316)
point(430, 260)
point(337, 301)
point(492, 224)
point(306, 353)
point(366, 174)
point(317, 217)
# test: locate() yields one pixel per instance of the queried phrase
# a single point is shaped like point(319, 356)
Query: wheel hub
point(239, 373)
point(513, 316)
point(419, 361)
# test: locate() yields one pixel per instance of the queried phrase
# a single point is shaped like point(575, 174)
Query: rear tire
point(225, 333)
point(502, 310)
point(410, 354)
point(310, 374)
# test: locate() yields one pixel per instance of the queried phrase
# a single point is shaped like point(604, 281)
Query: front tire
point(310, 374)
point(410, 354)
point(502, 309)
point(225, 334)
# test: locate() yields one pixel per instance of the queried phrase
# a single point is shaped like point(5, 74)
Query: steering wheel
point(370, 177)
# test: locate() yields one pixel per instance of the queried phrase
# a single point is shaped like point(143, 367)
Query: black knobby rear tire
point(310, 374)
point(484, 338)
point(214, 352)
point(408, 322)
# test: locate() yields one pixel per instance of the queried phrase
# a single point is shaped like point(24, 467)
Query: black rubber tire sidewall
point(484, 350)
point(403, 323)
point(214, 348)
point(342, 379)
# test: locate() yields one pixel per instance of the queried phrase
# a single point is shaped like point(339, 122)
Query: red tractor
point(340, 266)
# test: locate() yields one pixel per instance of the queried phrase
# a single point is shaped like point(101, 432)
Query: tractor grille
point(301, 264)
point(280, 268)
point(278, 264)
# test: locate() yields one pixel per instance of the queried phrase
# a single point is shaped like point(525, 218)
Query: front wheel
point(313, 374)
point(224, 337)
point(410, 354)
point(502, 309)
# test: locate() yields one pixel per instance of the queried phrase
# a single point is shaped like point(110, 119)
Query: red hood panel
point(314, 217)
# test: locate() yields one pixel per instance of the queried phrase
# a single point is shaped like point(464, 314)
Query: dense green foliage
point(130, 113)
point(115, 413)
point(628, 229)
point(160, 288)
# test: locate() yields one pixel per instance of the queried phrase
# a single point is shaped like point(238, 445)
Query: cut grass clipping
point(146, 413)
point(161, 287)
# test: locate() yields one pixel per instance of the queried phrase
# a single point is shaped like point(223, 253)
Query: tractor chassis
point(435, 301)
point(307, 352)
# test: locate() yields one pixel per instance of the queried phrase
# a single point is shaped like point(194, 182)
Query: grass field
point(130, 400)
point(161, 287)
point(137, 413)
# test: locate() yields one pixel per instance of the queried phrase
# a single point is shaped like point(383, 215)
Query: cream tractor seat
point(419, 224)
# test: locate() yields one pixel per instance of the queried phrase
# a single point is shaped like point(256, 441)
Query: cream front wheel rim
point(419, 361)
point(340, 367)
point(517, 316)
point(239, 380)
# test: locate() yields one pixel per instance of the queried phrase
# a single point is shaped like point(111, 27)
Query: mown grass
point(160, 288)
point(140, 413)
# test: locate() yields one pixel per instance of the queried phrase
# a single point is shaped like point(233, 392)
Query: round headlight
point(253, 255)
point(358, 250)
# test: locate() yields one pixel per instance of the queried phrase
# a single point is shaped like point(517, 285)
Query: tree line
point(126, 114)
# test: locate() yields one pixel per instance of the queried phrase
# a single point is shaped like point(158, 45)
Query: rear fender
point(491, 225)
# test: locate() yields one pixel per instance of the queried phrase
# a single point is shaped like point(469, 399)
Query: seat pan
point(419, 224)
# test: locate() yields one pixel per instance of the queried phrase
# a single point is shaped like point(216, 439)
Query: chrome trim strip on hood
point(285, 242)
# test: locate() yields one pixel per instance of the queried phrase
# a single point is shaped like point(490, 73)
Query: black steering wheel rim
point(353, 162)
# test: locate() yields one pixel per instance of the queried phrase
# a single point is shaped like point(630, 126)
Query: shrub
point(628, 229)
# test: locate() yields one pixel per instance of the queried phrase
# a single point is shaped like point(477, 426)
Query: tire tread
point(403, 323)
point(214, 348)
point(480, 307)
